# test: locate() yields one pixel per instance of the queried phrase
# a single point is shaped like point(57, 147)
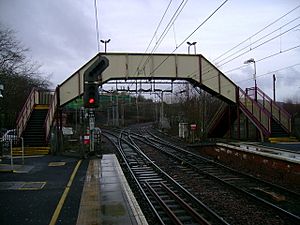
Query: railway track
point(236, 197)
point(275, 176)
point(169, 202)
point(282, 201)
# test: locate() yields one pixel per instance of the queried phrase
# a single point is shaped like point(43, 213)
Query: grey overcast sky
point(61, 35)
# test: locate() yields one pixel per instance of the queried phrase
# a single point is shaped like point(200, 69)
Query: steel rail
point(123, 157)
point(164, 142)
point(169, 212)
point(214, 218)
point(181, 158)
point(182, 189)
point(196, 215)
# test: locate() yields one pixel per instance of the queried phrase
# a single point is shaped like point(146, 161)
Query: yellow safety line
point(64, 196)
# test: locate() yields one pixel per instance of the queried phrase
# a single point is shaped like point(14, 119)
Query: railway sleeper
point(144, 168)
point(147, 176)
point(145, 173)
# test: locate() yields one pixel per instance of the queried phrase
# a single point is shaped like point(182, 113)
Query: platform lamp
point(254, 75)
point(1, 89)
point(190, 44)
point(105, 43)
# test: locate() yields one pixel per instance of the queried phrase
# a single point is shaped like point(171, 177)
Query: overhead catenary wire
point(195, 73)
point(169, 26)
point(279, 35)
point(271, 72)
point(155, 32)
point(165, 31)
point(154, 35)
point(201, 24)
point(264, 74)
point(266, 57)
point(258, 32)
point(257, 76)
point(249, 45)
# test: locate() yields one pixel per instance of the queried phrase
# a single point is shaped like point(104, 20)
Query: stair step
point(41, 107)
point(31, 151)
point(34, 133)
point(283, 139)
point(277, 130)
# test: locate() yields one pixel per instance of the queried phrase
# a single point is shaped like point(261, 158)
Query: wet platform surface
point(31, 193)
point(106, 197)
point(15, 168)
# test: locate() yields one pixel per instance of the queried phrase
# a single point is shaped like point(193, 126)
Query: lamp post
point(105, 43)
point(274, 87)
point(254, 75)
point(190, 44)
point(1, 89)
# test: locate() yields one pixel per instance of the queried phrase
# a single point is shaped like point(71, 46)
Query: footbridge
point(193, 68)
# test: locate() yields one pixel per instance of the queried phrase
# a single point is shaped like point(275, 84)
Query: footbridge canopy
point(195, 68)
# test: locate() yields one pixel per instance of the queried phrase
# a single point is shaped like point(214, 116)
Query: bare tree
point(18, 75)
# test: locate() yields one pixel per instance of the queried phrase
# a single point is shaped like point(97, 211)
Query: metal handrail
point(279, 114)
point(26, 111)
point(271, 100)
point(50, 115)
point(259, 116)
point(35, 97)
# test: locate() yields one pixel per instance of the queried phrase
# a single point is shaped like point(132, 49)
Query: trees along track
point(170, 203)
point(284, 204)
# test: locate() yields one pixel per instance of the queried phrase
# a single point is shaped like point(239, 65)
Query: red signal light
point(91, 100)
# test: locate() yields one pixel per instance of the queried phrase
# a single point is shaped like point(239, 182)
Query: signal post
point(91, 93)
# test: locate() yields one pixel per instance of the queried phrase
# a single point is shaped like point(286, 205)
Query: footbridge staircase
point(269, 118)
point(30, 123)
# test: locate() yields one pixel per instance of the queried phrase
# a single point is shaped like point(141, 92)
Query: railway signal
point(91, 84)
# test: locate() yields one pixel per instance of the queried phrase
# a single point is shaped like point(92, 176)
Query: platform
point(106, 197)
point(63, 190)
point(276, 151)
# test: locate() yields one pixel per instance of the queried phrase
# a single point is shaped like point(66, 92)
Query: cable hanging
point(272, 72)
point(258, 32)
point(260, 45)
point(190, 35)
point(165, 31)
point(195, 73)
point(251, 43)
point(267, 57)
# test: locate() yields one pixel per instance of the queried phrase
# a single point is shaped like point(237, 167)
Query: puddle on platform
point(116, 209)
